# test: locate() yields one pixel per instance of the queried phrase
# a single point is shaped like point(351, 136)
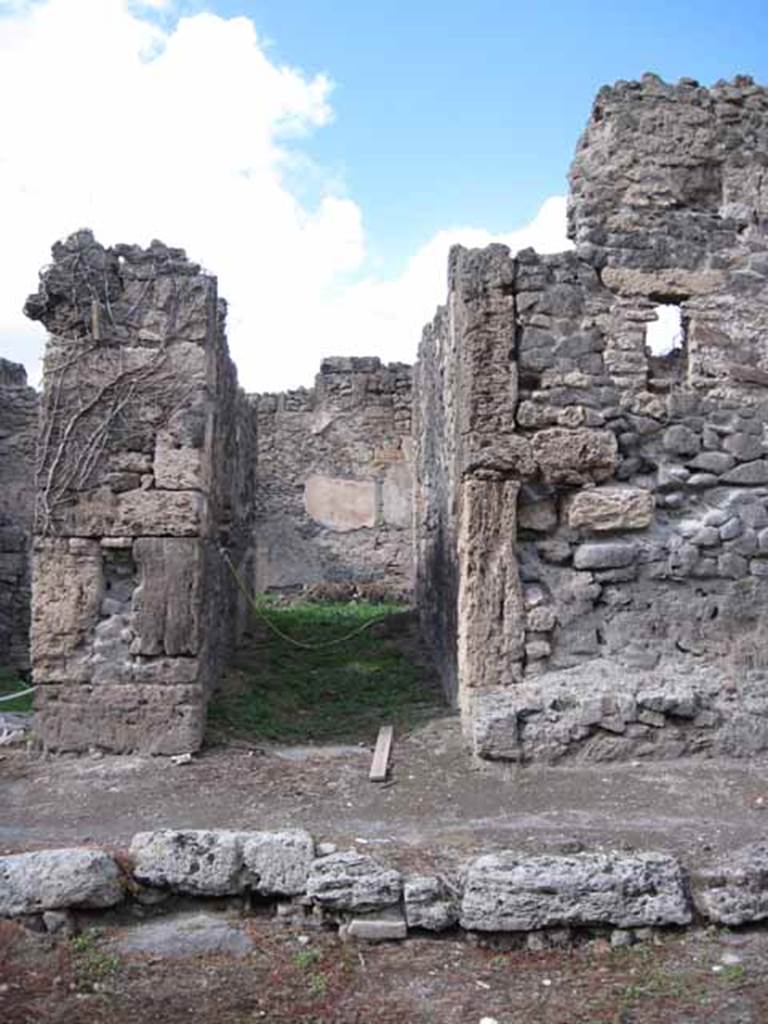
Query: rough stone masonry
point(18, 433)
point(592, 517)
point(142, 480)
point(334, 481)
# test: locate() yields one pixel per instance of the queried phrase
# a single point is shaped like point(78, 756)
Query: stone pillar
point(129, 590)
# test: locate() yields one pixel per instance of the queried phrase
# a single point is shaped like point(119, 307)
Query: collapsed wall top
point(670, 176)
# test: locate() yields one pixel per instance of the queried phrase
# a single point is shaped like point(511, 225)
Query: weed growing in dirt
point(341, 692)
point(92, 966)
point(10, 683)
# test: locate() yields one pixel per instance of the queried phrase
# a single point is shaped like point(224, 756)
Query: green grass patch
point(339, 692)
point(10, 683)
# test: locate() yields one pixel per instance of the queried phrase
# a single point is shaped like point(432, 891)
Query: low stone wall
point(504, 892)
point(333, 493)
point(18, 437)
point(144, 482)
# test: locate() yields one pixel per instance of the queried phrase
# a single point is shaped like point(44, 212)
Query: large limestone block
point(167, 600)
point(734, 890)
point(611, 508)
point(56, 879)
point(121, 717)
point(278, 862)
point(137, 513)
point(579, 456)
point(341, 504)
point(511, 892)
point(352, 881)
point(491, 622)
point(200, 862)
point(68, 588)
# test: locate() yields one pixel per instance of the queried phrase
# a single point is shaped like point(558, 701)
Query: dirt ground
point(290, 977)
point(436, 804)
point(436, 809)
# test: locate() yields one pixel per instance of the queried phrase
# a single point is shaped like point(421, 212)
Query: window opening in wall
point(667, 342)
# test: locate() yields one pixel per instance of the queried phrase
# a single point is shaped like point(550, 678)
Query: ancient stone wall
point(333, 495)
point(18, 433)
point(144, 477)
point(601, 510)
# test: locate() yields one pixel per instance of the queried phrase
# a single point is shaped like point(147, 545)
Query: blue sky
point(456, 112)
point(319, 157)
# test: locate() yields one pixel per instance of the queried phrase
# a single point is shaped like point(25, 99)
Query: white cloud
point(186, 134)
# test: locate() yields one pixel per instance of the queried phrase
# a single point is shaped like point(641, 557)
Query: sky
point(319, 157)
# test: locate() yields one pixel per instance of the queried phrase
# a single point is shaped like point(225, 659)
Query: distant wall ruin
point(18, 433)
point(592, 520)
point(334, 480)
point(142, 480)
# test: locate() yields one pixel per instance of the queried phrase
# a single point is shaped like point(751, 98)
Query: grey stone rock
point(200, 862)
point(352, 881)
point(701, 481)
point(676, 700)
point(712, 462)
point(748, 473)
point(745, 447)
point(429, 903)
point(681, 440)
point(186, 934)
point(385, 926)
point(734, 890)
point(731, 529)
point(607, 555)
point(510, 892)
point(277, 862)
point(57, 880)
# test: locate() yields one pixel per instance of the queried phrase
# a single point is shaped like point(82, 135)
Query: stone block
point(748, 473)
point(101, 513)
point(512, 892)
point(429, 903)
point(580, 456)
point(200, 862)
point(167, 601)
point(611, 508)
point(352, 881)
point(278, 863)
point(681, 440)
point(58, 879)
point(734, 890)
point(68, 589)
point(604, 555)
point(385, 926)
point(122, 718)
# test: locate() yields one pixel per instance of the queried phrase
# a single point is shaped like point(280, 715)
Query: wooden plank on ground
point(380, 763)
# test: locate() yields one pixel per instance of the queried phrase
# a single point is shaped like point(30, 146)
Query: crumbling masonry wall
point(18, 433)
point(143, 480)
point(334, 481)
point(592, 519)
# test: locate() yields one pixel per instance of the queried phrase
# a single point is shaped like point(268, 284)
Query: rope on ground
point(276, 629)
point(20, 693)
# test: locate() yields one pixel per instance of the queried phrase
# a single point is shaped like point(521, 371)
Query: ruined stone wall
point(143, 475)
point(602, 511)
point(333, 496)
point(18, 433)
